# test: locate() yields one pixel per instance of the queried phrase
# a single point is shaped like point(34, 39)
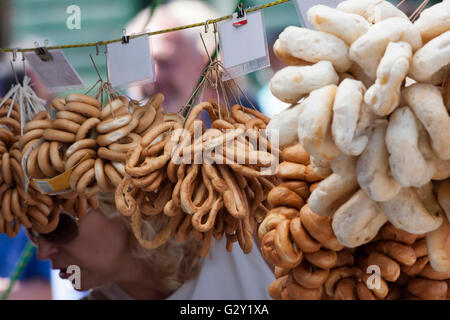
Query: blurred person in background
point(180, 56)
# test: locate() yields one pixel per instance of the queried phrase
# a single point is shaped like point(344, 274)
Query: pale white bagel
point(443, 196)
point(372, 170)
point(315, 46)
point(428, 62)
point(446, 93)
point(430, 202)
point(434, 21)
point(368, 49)
point(442, 167)
point(427, 103)
point(373, 10)
point(336, 188)
point(346, 26)
point(314, 124)
point(405, 211)
point(408, 165)
point(283, 54)
point(292, 83)
point(320, 167)
point(442, 171)
point(346, 114)
point(438, 247)
point(384, 96)
point(358, 220)
point(284, 125)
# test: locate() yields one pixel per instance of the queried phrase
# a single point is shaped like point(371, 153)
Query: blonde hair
point(173, 263)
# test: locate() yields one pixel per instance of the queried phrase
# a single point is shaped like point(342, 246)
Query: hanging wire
point(93, 44)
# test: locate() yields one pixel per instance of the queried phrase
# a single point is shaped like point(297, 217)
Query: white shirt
point(223, 276)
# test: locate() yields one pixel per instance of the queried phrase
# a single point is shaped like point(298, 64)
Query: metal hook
point(207, 25)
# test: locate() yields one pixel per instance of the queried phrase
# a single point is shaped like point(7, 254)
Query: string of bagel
point(370, 117)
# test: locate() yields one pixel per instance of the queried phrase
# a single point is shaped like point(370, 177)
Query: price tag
point(130, 63)
point(243, 47)
point(304, 5)
point(55, 75)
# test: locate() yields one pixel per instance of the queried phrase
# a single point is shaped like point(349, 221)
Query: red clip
point(240, 23)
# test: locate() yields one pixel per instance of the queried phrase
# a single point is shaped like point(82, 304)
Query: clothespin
point(240, 17)
point(43, 53)
point(125, 38)
point(97, 48)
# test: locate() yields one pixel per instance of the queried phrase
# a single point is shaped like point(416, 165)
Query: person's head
point(179, 56)
point(106, 252)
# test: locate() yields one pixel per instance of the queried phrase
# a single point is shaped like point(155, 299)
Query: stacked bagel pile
point(310, 263)
point(370, 93)
point(191, 180)
point(404, 273)
point(18, 208)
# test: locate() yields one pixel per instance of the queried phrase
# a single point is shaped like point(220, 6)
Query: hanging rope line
point(201, 24)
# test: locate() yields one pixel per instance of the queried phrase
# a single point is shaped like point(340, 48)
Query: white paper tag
point(57, 75)
point(243, 48)
point(130, 63)
point(304, 5)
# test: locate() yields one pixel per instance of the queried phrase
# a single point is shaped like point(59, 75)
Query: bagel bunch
point(52, 147)
point(119, 130)
point(298, 243)
point(52, 153)
point(370, 103)
point(189, 178)
point(311, 264)
point(404, 273)
point(82, 129)
point(17, 208)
